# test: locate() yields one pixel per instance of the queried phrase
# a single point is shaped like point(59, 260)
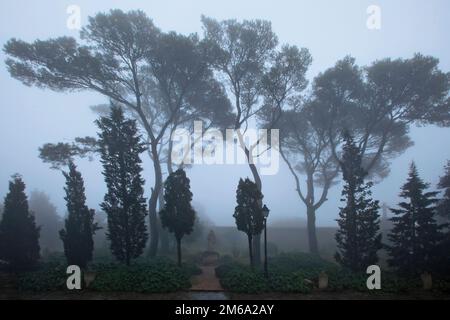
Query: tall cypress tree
point(358, 238)
point(415, 235)
point(248, 214)
point(77, 235)
point(124, 203)
point(19, 236)
point(178, 216)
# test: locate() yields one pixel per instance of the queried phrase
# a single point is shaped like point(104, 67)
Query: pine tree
point(358, 238)
point(178, 216)
point(79, 226)
point(444, 185)
point(415, 235)
point(248, 214)
point(124, 203)
point(19, 236)
point(444, 214)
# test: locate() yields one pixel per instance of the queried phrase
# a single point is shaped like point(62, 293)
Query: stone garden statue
point(210, 256)
point(211, 241)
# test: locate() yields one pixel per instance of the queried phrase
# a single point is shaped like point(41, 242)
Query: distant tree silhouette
point(378, 103)
point(248, 214)
point(415, 235)
point(358, 238)
point(124, 203)
point(48, 220)
point(19, 235)
point(79, 227)
point(305, 147)
point(178, 216)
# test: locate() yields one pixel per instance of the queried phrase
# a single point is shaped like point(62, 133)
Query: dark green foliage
point(19, 236)
point(60, 154)
point(415, 235)
point(160, 275)
point(287, 273)
point(242, 279)
point(443, 253)
point(178, 216)
point(310, 264)
point(248, 214)
point(358, 238)
point(124, 203)
point(77, 236)
point(444, 185)
point(50, 277)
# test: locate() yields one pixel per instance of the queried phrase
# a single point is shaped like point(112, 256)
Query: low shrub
point(191, 269)
point(157, 276)
point(341, 279)
point(442, 284)
point(293, 282)
point(242, 279)
point(49, 277)
point(288, 272)
point(311, 265)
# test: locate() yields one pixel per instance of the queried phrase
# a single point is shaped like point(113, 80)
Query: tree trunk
point(154, 234)
point(312, 236)
point(163, 234)
point(164, 238)
point(250, 250)
point(179, 251)
point(257, 178)
point(257, 249)
point(256, 238)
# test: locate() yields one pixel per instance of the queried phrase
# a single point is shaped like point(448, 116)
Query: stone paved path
point(206, 281)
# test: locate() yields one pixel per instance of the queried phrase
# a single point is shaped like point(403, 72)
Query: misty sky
point(30, 117)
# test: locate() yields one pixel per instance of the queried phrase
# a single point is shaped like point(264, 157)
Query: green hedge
point(49, 277)
point(287, 273)
point(238, 278)
point(241, 279)
point(156, 275)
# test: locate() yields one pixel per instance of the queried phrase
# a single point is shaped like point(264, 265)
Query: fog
point(30, 117)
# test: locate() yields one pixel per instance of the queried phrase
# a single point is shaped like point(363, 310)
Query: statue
point(211, 241)
point(210, 256)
